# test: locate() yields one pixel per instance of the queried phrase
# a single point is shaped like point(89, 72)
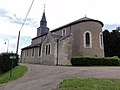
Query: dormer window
point(64, 32)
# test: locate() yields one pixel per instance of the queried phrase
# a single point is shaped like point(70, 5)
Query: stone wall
point(73, 45)
point(65, 51)
point(28, 58)
point(48, 59)
point(78, 31)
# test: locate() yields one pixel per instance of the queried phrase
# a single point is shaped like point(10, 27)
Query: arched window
point(64, 32)
point(33, 52)
point(39, 51)
point(27, 53)
point(101, 40)
point(47, 49)
point(87, 39)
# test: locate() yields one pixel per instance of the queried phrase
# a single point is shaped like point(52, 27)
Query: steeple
point(43, 21)
point(43, 29)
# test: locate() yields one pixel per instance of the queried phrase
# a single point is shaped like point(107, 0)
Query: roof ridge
point(77, 21)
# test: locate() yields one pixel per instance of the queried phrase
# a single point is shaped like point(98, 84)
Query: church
point(82, 37)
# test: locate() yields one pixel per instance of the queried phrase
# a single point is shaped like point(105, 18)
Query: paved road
point(41, 77)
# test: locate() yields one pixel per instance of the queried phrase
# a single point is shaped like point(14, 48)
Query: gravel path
point(40, 77)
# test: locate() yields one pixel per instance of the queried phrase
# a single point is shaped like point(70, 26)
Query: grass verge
point(17, 72)
point(90, 84)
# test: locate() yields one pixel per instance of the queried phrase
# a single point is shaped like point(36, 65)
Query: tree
point(111, 43)
point(5, 61)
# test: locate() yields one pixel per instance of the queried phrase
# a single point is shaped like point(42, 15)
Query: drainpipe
point(57, 51)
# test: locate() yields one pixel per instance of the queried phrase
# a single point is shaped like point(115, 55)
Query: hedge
point(5, 61)
point(95, 61)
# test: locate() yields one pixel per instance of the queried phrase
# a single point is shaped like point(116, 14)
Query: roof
point(31, 46)
point(84, 19)
point(55, 36)
point(40, 36)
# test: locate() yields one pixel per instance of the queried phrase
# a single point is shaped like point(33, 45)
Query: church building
point(82, 37)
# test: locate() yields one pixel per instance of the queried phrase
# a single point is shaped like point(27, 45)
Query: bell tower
point(43, 29)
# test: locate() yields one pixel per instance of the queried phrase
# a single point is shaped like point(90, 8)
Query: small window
point(24, 53)
point(87, 39)
point(101, 40)
point(47, 49)
point(27, 53)
point(64, 32)
point(39, 51)
point(33, 52)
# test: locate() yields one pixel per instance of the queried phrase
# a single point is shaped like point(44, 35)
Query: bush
point(95, 61)
point(5, 61)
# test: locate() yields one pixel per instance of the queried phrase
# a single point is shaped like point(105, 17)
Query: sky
point(58, 13)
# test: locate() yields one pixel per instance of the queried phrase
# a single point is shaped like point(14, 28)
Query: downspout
point(70, 29)
point(57, 51)
point(21, 57)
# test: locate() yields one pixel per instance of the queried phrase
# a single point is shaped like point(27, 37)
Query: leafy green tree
point(112, 43)
point(5, 61)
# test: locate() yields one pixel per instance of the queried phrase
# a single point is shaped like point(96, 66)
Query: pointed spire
point(43, 29)
point(43, 17)
point(43, 21)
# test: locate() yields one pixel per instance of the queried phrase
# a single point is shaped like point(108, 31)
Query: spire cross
point(44, 7)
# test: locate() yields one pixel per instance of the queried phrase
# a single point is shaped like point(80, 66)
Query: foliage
point(111, 43)
point(17, 72)
point(5, 61)
point(95, 61)
point(90, 84)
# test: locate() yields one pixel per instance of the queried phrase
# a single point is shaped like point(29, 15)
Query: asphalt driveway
point(40, 77)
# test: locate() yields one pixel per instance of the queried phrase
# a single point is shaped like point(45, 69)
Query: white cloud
point(58, 13)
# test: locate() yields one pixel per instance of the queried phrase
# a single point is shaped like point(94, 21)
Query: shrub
point(95, 61)
point(5, 61)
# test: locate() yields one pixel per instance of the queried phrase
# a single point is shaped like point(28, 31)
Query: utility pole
point(22, 26)
point(18, 42)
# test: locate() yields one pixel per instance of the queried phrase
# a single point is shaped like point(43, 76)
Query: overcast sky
point(58, 13)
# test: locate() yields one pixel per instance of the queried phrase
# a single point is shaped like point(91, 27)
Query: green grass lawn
point(90, 84)
point(17, 72)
